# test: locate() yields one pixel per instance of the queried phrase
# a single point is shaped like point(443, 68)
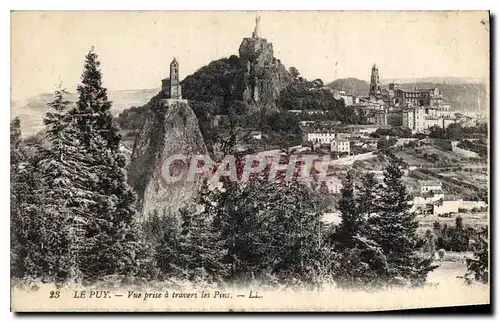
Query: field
point(474, 220)
point(461, 177)
point(469, 177)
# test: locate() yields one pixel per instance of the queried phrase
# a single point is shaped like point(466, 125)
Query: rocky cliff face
point(264, 75)
point(170, 127)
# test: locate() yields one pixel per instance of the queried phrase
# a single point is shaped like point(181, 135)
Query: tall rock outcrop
point(170, 128)
point(264, 75)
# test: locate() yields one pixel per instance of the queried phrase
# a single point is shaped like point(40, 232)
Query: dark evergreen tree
point(200, 250)
point(64, 169)
point(351, 220)
point(16, 152)
point(478, 266)
point(163, 232)
point(27, 225)
point(111, 244)
point(361, 261)
point(20, 193)
point(368, 196)
point(394, 229)
point(460, 236)
point(271, 230)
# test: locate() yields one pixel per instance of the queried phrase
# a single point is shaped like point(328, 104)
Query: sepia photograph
point(249, 161)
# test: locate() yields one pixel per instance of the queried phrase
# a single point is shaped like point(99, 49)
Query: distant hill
point(351, 85)
point(31, 111)
point(436, 80)
point(464, 94)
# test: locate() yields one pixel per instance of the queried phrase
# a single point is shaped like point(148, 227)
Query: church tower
point(175, 85)
point(374, 83)
point(172, 86)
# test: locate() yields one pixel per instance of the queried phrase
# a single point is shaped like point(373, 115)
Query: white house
point(340, 146)
point(430, 185)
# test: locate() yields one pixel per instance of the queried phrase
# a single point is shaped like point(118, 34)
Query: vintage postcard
point(249, 161)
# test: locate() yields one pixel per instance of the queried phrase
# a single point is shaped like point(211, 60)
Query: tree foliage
point(111, 244)
point(311, 95)
point(73, 212)
point(219, 82)
point(362, 262)
point(394, 229)
point(269, 229)
point(456, 238)
point(478, 266)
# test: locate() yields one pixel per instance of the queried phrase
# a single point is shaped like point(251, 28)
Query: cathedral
point(375, 91)
point(171, 87)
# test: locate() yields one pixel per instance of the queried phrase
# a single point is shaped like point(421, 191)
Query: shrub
point(477, 267)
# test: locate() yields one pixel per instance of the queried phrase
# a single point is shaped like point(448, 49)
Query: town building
point(349, 99)
point(340, 146)
point(430, 194)
point(322, 132)
point(318, 136)
point(414, 119)
point(430, 199)
point(325, 131)
point(378, 118)
point(417, 97)
point(431, 185)
point(440, 111)
point(420, 119)
point(219, 120)
point(365, 129)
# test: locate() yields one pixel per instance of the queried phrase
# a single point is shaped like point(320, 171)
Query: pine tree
point(16, 151)
point(200, 250)
point(270, 230)
point(162, 232)
point(368, 196)
point(394, 229)
point(460, 237)
point(26, 229)
point(478, 266)
point(64, 171)
point(351, 220)
point(361, 261)
point(112, 244)
point(19, 193)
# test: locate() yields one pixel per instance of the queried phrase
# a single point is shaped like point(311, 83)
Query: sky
point(136, 47)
